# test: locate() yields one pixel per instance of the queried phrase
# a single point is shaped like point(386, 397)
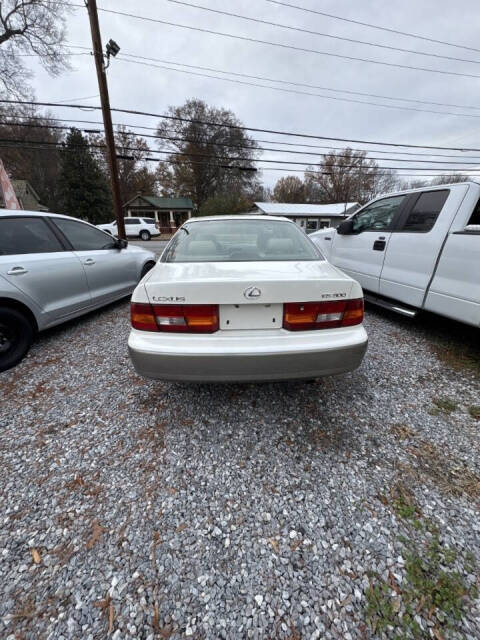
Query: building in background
point(169, 213)
point(27, 197)
point(310, 217)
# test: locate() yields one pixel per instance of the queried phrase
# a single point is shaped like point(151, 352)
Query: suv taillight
point(175, 318)
point(304, 316)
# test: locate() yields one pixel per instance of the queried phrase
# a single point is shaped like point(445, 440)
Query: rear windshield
point(240, 241)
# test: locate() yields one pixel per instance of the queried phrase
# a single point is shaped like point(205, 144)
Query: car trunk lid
point(246, 283)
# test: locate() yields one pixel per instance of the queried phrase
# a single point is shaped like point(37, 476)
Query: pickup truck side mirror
point(120, 243)
point(345, 228)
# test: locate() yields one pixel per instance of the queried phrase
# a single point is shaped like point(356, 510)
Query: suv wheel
point(16, 335)
point(145, 235)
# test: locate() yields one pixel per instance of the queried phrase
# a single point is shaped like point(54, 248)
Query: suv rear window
point(425, 211)
point(132, 221)
point(149, 220)
point(240, 241)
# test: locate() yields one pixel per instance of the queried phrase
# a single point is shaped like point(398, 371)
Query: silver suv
point(54, 268)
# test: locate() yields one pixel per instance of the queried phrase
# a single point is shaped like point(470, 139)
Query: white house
point(309, 217)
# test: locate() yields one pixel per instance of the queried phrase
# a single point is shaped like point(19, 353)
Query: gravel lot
point(344, 508)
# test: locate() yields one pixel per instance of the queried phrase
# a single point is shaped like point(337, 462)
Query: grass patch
point(459, 356)
point(402, 431)
point(432, 589)
point(449, 474)
point(403, 502)
point(443, 405)
point(474, 411)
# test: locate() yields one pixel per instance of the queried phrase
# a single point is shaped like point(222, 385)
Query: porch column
point(189, 214)
point(172, 220)
point(155, 213)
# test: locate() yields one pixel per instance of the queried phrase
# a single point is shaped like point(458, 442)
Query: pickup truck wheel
point(146, 268)
point(16, 335)
point(145, 235)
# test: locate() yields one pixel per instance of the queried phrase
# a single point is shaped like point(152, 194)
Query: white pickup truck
point(414, 250)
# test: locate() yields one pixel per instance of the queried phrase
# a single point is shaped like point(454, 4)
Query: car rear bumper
point(247, 356)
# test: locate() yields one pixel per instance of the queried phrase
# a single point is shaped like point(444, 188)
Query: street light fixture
point(112, 48)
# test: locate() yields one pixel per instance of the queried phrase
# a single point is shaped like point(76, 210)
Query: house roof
point(21, 186)
point(288, 209)
point(27, 194)
point(163, 203)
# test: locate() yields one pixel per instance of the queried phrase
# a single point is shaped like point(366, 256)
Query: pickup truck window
point(425, 211)
point(378, 216)
point(475, 217)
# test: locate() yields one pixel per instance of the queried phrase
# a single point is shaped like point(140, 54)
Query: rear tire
point(146, 268)
point(16, 335)
point(145, 235)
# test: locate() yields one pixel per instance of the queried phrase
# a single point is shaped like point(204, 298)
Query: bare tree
point(383, 181)
point(450, 178)
point(210, 153)
point(133, 172)
point(26, 158)
point(289, 189)
point(413, 184)
point(347, 176)
point(33, 28)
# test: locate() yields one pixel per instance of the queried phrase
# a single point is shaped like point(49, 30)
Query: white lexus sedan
point(245, 298)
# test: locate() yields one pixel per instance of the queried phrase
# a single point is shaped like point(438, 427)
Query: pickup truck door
point(361, 253)
point(416, 242)
point(111, 273)
point(34, 261)
point(455, 288)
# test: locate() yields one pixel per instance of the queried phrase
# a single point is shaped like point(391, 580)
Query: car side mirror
point(120, 243)
point(345, 228)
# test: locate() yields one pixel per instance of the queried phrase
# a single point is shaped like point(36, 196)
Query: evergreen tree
point(84, 188)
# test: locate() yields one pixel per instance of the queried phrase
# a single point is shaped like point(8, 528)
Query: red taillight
point(353, 313)
point(304, 316)
point(174, 318)
point(142, 317)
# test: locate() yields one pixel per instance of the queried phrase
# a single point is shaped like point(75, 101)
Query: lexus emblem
point(252, 292)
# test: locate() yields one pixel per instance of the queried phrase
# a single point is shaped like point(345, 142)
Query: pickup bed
point(414, 250)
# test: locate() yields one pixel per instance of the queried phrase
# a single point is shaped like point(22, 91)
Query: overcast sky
point(134, 86)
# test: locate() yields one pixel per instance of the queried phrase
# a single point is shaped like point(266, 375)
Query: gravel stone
point(224, 511)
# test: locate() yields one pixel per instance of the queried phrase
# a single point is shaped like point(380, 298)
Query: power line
point(142, 60)
point(225, 144)
point(302, 84)
point(282, 169)
point(237, 146)
point(296, 91)
point(126, 58)
point(318, 33)
point(286, 46)
point(82, 98)
point(373, 26)
point(230, 159)
point(236, 126)
point(296, 84)
point(123, 157)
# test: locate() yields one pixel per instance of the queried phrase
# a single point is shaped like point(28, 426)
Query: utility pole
point(107, 116)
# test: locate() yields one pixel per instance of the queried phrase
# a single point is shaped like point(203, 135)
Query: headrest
point(277, 246)
point(201, 248)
